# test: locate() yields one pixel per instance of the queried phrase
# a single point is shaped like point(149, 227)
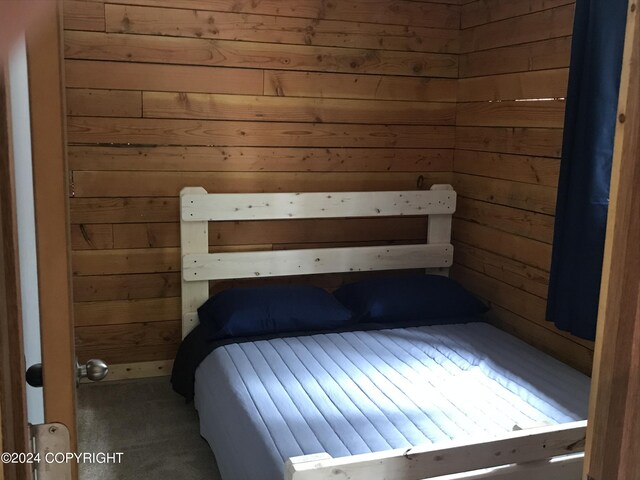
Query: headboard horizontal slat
point(272, 206)
point(221, 266)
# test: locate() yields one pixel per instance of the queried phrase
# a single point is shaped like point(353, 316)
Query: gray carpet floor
point(151, 425)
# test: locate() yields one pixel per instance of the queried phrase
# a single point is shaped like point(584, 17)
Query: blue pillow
point(432, 298)
point(271, 309)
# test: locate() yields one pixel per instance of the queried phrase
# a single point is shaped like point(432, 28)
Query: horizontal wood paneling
point(507, 218)
point(522, 249)
point(83, 15)
point(90, 288)
point(378, 87)
point(521, 141)
point(512, 86)
point(514, 273)
point(541, 25)
point(157, 77)
point(123, 210)
point(510, 115)
point(486, 11)
point(240, 97)
point(273, 29)
point(398, 12)
point(318, 110)
point(114, 354)
point(127, 311)
point(258, 159)
point(228, 53)
point(104, 103)
point(542, 55)
point(276, 134)
point(546, 114)
point(525, 196)
point(164, 184)
point(519, 168)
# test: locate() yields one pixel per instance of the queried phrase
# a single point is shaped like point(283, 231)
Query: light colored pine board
point(114, 262)
point(163, 184)
point(513, 86)
point(273, 29)
point(129, 371)
point(104, 103)
point(566, 350)
point(82, 15)
point(519, 168)
point(541, 25)
point(241, 159)
point(141, 353)
point(314, 261)
point(512, 220)
point(542, 55)
point(479, 12)
point(160, 235)
point(281, 109)
point(226, 133)
point(439, 223)
point(535, 198)
point(123, 210)
point(194, 240)
point(521, 249)
point(446, 458)
point(544, 142)
point(272, 206)
point(88, 237)
point(516, 274)
point(92, 288)
point(126, 311)
point(170, 78)
point(398, 12)
point(544, 113)
point(228, 53)
point(376, 87)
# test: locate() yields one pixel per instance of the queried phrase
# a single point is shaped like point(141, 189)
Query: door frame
point(614, 422)
point(14, 431)
point(50, 182)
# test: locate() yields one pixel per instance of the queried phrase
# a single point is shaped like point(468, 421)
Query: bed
point(395, 401)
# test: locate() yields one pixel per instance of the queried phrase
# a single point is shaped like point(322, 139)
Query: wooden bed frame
point(549, 453)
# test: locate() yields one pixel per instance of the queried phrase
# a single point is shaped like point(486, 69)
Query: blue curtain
point(585, 169)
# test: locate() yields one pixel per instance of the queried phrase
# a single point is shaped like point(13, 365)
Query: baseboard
point(126, 371)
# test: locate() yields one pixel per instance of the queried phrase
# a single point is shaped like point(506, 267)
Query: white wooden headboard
point(197, 208)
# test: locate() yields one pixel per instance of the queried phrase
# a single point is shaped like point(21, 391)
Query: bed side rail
point(548, 453)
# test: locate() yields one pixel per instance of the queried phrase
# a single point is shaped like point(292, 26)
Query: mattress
point(365, 391)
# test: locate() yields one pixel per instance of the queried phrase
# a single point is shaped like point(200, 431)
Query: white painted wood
point(218, 266)
point(439, 226)
point(194, 239)
point(456, 457)
point(272, 206)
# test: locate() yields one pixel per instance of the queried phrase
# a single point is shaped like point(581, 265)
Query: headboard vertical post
point(439, 229)
point(194, 238)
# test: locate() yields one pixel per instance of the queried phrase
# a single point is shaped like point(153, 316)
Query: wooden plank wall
point(513, 78)
point(239, 96)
